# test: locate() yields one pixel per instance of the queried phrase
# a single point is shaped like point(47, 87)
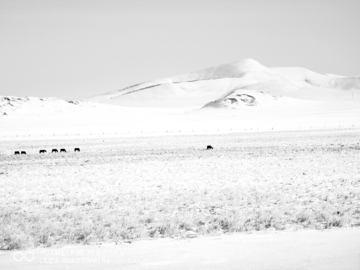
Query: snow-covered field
point(34, 119)
point(120, 189)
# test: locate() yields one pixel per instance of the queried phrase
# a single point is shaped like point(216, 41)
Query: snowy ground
point(127, 188)
point(62, 120)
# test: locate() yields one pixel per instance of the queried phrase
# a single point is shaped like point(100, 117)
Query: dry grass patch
point(147, 187)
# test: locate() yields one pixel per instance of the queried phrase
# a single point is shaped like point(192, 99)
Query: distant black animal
point(209, 147)
point(54, 151)
point(17, 153)
point(23, 152)
point(42, 151)
point(77, 150)
point(62, 150)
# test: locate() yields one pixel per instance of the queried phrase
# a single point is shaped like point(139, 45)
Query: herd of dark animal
point(63, 150)
point(42, 151)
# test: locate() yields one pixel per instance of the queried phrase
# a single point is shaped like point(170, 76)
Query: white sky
point(74, 49)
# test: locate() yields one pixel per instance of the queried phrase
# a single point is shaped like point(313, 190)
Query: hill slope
point(214, 86)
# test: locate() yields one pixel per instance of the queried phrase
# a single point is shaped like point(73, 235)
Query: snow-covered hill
point(254, 97)
point(214, 86)
point(10, 105)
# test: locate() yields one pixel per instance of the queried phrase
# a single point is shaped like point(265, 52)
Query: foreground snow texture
point(330, 249)
point(241, 96)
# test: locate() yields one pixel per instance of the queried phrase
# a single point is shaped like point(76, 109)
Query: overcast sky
point(74, 49)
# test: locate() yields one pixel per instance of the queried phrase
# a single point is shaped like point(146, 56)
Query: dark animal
point(23, 152)
point(54, 151)
point(42, 151)
point(77, 150)
point(209, 147)
point(17, 153)
point(62, 150)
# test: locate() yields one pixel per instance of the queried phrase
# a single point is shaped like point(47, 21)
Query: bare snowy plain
point(286, 157)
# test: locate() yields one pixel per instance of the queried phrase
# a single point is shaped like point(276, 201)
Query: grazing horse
point(17, 153)
point(23, 152)
point(62, 150)
point(77, 150)
point(209, 147)
point(42, 151)
point(54, 151)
